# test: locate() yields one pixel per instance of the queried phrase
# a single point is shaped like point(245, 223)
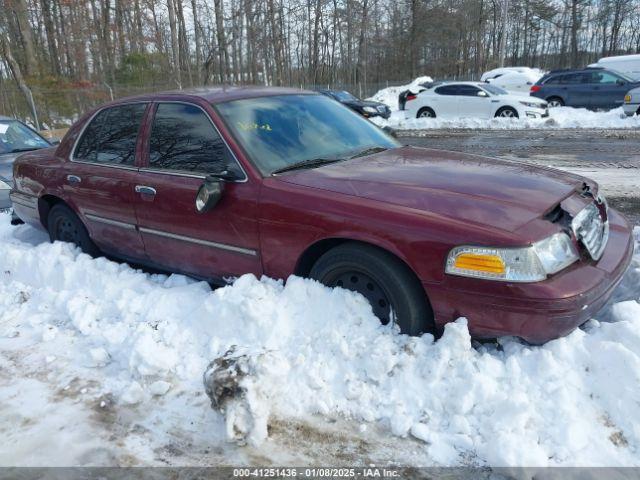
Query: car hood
point(6, 165)
point(467, 188)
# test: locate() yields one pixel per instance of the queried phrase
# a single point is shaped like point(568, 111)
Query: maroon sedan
point(220, 182)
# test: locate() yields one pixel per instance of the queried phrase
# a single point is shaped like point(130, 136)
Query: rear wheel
point(393, 291)
point(507, 112)
point(426, 112)
point(555, 102)
point(65, 226)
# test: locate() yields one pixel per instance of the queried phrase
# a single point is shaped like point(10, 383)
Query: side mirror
point(482, 93)
point(621, 82)
point(209, 193)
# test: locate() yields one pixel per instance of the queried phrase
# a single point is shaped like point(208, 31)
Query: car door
point(577, 90)
point(444, 101)
point(474, 102)
point(101, 175)
point(182, 146)
point(608, 91)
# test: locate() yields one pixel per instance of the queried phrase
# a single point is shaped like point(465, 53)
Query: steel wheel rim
point(66, 231)
point(366, 286)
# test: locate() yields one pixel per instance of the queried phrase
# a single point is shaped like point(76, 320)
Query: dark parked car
point(593, 88)
point(15, 139)
point(221, 182)
point(365, 108)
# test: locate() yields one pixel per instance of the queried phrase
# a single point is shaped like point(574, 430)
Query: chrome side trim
point(107, 165)
point(23, 199)
point(109, 221)
point(13, 202)
point(206, 243)
point(173, 172)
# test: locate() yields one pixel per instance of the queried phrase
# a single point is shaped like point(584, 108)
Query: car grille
point(591, 228)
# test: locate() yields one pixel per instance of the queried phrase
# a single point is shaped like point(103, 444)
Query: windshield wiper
point(17, 150)
point(369, 151)
point(311, 163)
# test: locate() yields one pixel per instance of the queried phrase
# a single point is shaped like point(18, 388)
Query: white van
point(629, 64)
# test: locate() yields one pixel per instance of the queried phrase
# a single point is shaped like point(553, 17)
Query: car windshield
point(344, 96)
point(492, 89)
point(17, 137)
point(283, 130)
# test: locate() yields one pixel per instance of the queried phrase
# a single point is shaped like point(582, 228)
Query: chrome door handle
point(145, 190)
point(73, 179)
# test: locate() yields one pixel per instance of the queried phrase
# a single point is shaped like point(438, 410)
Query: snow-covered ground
point(101, 364)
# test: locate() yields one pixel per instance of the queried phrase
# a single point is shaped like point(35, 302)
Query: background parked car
point(627, 64)
point(472, 99)
point(516, 80)
point(593, 88)
point(632, 102)
point(366, 108)
point(15, 138)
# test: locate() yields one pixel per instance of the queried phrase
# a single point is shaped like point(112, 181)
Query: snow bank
point(143, 341)
point(389, 95)
point(562, 117)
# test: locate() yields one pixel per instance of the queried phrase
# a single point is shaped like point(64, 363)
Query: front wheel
point(393, 291)
point(65, 226)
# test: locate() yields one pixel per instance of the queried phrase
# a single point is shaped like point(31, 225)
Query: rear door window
point(184, 139)
point(447, 90)
point(112, 135)
point(575, 78)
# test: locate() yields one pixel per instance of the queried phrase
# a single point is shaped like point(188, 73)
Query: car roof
point(219, 94)
point(475, 84)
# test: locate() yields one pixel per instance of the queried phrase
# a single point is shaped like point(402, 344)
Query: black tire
point(507, 112)
point(555, 102)
point(65, 226)
point(388, 284)
point(426, 112)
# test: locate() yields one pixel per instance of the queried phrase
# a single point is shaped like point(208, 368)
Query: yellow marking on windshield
point(248, 126)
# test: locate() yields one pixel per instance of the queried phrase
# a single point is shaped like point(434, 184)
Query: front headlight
point(528, 264)
point(531, 104)
point(4, 185)
point(370, 109)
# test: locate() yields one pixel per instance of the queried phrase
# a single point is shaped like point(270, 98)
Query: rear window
point(111, 136)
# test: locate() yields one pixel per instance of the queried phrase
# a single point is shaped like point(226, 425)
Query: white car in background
point(631, 105)
point(472, 100)
point(513, 79)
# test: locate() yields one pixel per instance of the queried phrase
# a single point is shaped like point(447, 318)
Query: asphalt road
point(611, 157)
